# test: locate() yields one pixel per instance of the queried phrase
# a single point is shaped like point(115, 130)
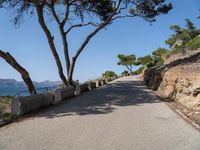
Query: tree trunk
point(24, 74)
point(51, 43)
point(129, 69)
point(71, 71)
point(87, 40)
point(65, 45)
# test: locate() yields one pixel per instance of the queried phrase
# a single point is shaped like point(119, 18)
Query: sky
point(29, 45)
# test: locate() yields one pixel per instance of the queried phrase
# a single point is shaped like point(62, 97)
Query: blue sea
point(12, 91)
point(22, 91)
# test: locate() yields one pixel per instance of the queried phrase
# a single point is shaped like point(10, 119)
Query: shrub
point(4, 105)
point(125, 72)
point(108, 74)
point(138, 71)
point(193, 44)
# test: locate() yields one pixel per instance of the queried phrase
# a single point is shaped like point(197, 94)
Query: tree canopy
point(74, 14)
point(182, 36)
point(127, 60)
point(109, 74)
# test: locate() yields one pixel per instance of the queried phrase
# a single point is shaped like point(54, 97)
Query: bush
point(194, 43)
point(4, 105)
point(108, 74)
point(125, 72)
point(138, 71)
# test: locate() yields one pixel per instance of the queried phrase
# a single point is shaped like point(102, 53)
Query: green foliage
point(70, 15)
point(156, 59)
point(183, 39)
point(189, 25)
point(193, 43)
point(182, 36)
point(127, 60)
point(125, 72)
point(176, 29)
point(80, 8)
point(150, 9)
point(139, 71)
point(147, 60)
point(158, 56)
point(160, 52)
point(5, 102)
point(171, 40)
point(108, 74)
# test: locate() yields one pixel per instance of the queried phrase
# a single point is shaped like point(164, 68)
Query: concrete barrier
point(63, 93)
point(49, 99)
point(97, 83)
point(102, 82)
point(106, 80)
point(109, 80)
point(84, 87)
point(78, 88)
point(23, 105)
point(91, 85)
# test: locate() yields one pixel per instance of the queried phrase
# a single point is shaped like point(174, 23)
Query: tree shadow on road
point(103, 100)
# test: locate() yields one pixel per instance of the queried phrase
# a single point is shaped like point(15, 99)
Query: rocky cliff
point(178, 80)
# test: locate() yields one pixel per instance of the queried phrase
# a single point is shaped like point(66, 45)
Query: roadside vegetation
point(108, 74)
point(183, 40)
point(127, 61)
point(70, 16)
point(5, 102)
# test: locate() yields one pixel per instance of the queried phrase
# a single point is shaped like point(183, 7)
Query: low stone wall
point(23, 105)
point(91, 85)
point(102, 82)
point(84, 87)
point(64, 93)
point(97, 83)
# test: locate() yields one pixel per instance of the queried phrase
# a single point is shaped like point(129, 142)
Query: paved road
point(120, 116)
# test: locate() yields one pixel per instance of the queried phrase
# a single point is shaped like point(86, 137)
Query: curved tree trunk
point(71, 71)
point(24, 74)
point(87, 40)
point(51, 43)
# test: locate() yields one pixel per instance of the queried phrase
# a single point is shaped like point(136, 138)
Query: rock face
point(178, 81)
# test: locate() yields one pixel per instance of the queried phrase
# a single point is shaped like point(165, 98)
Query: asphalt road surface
point(122, 115)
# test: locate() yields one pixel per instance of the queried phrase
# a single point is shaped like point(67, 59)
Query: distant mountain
point(15, 83)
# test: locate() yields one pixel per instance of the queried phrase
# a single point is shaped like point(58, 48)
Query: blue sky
point(29, 46)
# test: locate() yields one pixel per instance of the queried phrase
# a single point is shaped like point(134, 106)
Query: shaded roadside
point(104, 100)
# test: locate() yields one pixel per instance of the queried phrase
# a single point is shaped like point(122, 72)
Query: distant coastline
point(12, 87)
point(15, 83)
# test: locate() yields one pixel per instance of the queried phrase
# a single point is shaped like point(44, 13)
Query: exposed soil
point(193, 115)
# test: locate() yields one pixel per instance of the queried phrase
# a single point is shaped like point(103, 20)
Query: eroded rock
point(178, 81)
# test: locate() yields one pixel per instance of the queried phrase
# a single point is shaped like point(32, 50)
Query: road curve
point(122, 115)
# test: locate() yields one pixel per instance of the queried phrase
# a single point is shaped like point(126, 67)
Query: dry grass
point(5, 102)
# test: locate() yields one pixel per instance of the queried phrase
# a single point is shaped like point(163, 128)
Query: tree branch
point(88, 38)
point(41, 20)
point(64, 38)
point(80, 25)
point(24, 74)
point(125, 16)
